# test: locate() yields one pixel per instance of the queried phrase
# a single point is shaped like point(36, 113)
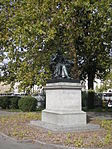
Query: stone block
point(64, 118)
point(63, 104)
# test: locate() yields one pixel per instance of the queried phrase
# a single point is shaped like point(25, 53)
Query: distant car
point(107, 99)
point(110, 104)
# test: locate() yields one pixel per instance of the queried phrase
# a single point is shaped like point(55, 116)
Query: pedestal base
point(63, 106)
point(64, 118)
point(58, 128)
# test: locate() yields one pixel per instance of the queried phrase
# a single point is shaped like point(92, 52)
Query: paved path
point(100, 115)
point(10, 144)
point(8, 113)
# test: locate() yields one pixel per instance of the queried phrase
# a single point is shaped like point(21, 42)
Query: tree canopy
point(107, 84)
point(31, 30)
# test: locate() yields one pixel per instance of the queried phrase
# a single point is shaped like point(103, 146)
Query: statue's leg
point(57, 71)
point(64, 71)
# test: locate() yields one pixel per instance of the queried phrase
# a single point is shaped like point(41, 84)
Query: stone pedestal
point(63, 105)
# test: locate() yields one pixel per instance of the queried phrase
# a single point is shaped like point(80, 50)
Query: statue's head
point(59, 52)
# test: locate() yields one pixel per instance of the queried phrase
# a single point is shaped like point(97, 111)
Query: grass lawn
point(12, 110)
point(17, 126)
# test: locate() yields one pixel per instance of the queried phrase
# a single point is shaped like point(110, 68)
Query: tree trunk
point(75, 71)
point(90, 90)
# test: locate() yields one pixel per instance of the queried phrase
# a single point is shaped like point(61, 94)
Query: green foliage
point(29, 35)
point(107, 84)
point(91, 97)
point(9, 102)
point(68, 139)
point(105, 104)
point(5, 102)
point(96, 102)
point(107, 125)
point(84, 98)
point(14, 102)
point(107, 138)
point(14, 110)
point(27, 104)
point(78, 142)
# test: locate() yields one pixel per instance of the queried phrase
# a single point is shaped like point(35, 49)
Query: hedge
point(27, 104)
point(9, 102)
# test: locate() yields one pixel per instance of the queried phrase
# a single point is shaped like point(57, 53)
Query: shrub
point(14, 102)
point(84, 98)
point(9, 102)
point(5, 102)
point(105, 104)
point(27, 104)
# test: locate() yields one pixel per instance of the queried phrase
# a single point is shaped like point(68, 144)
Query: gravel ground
point(17, 126)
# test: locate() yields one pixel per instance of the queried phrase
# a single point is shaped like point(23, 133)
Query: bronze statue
point(60, 66)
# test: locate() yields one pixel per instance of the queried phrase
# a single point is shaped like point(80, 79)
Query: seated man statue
point(60, 66)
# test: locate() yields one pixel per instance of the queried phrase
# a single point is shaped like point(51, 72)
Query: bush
point(84, 98)
point(9, 102)
point(14, 102)
point(5, 102)
point(27, 104)
point(105, 104)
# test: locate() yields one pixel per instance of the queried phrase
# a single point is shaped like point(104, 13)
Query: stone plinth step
point(59, 128)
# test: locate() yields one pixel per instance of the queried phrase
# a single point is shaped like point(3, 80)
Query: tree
point(107, 84)
point(32, 30)
point(93, 45)
point(22, 37)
